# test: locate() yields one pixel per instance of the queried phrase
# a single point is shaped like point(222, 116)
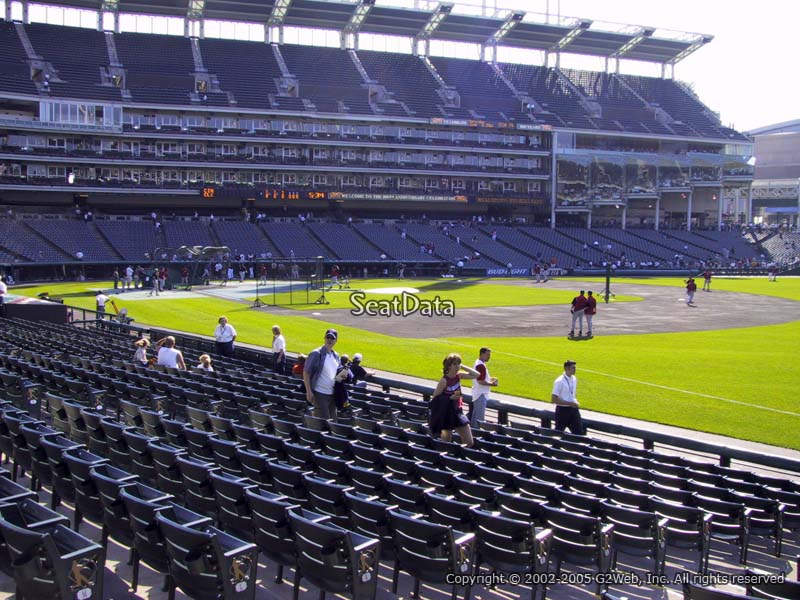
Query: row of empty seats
point(161, 69)
point(207, 490)
point(58, 240)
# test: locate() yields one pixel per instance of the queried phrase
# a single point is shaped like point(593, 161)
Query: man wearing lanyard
point(224, 336)
point(568, 415)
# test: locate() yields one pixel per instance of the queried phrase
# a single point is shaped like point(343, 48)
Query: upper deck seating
point(159, 67)
point(481, 88)
point(407, 78)
point(78, 55)
point(15, 73)
point(246, 69)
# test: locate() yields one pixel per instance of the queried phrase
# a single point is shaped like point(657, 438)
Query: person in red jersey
point(578, 309)
point(707, 281)
point(590, 311)
point(691, 288)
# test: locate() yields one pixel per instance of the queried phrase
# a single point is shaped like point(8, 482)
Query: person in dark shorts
point(446, 411)
point(568, 414)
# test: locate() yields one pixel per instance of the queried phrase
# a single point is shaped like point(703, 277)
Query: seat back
point(580, 539)
point(58, 564)
point(198, 488)
point(698, 592)
point(232, 507)
point(637, 532)
point(115, 518)
point(327, 557)
point(510, 545)
point(165, 461)
point(448, 511)
point(521, 507)
point(87, 497)
point(288, 480)
point(200, 565)
point(370, 518)
point(272, 531)
point(429, 551)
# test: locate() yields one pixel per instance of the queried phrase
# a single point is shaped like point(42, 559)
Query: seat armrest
point(464, 538)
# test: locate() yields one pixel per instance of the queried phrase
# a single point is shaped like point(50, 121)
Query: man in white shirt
point(278, 350)
point(3, 290)
point(128, 277)
point(481, 388)
point(100, 300)
point(224, 336)
point(568, 415)
point(319, 376)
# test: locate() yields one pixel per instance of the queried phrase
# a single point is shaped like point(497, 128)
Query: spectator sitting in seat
point(205, 363)
point(360, 374)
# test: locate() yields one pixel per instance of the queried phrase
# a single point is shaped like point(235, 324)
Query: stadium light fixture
point(638, 38)
point(574, 33)
point(439, 15)
point(698, 43)
point(278, 14)
point(514, 19)
point(359, 16)
point(110, 6)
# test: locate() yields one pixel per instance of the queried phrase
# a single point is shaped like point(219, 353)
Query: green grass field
point(465, 293)
point(735, 382)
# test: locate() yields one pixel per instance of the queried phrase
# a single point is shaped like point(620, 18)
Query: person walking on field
point(590, 312)
point(578, 309)
point(691, 288)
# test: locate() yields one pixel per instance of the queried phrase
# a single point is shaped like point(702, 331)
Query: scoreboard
point(213, 193)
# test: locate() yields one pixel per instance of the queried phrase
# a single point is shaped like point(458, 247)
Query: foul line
point(655, 385)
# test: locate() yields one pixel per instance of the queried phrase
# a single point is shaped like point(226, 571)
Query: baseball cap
point(569, 363)
point(357, 357)
point(332, 333)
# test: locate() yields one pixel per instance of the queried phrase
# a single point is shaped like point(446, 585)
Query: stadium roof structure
point(448, 21)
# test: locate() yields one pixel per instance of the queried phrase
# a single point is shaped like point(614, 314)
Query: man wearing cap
point(568, 415)
point(577, 310)
point(360, 374)
point(319, 376)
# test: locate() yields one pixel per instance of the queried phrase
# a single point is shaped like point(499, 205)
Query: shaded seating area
point(234, 465)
